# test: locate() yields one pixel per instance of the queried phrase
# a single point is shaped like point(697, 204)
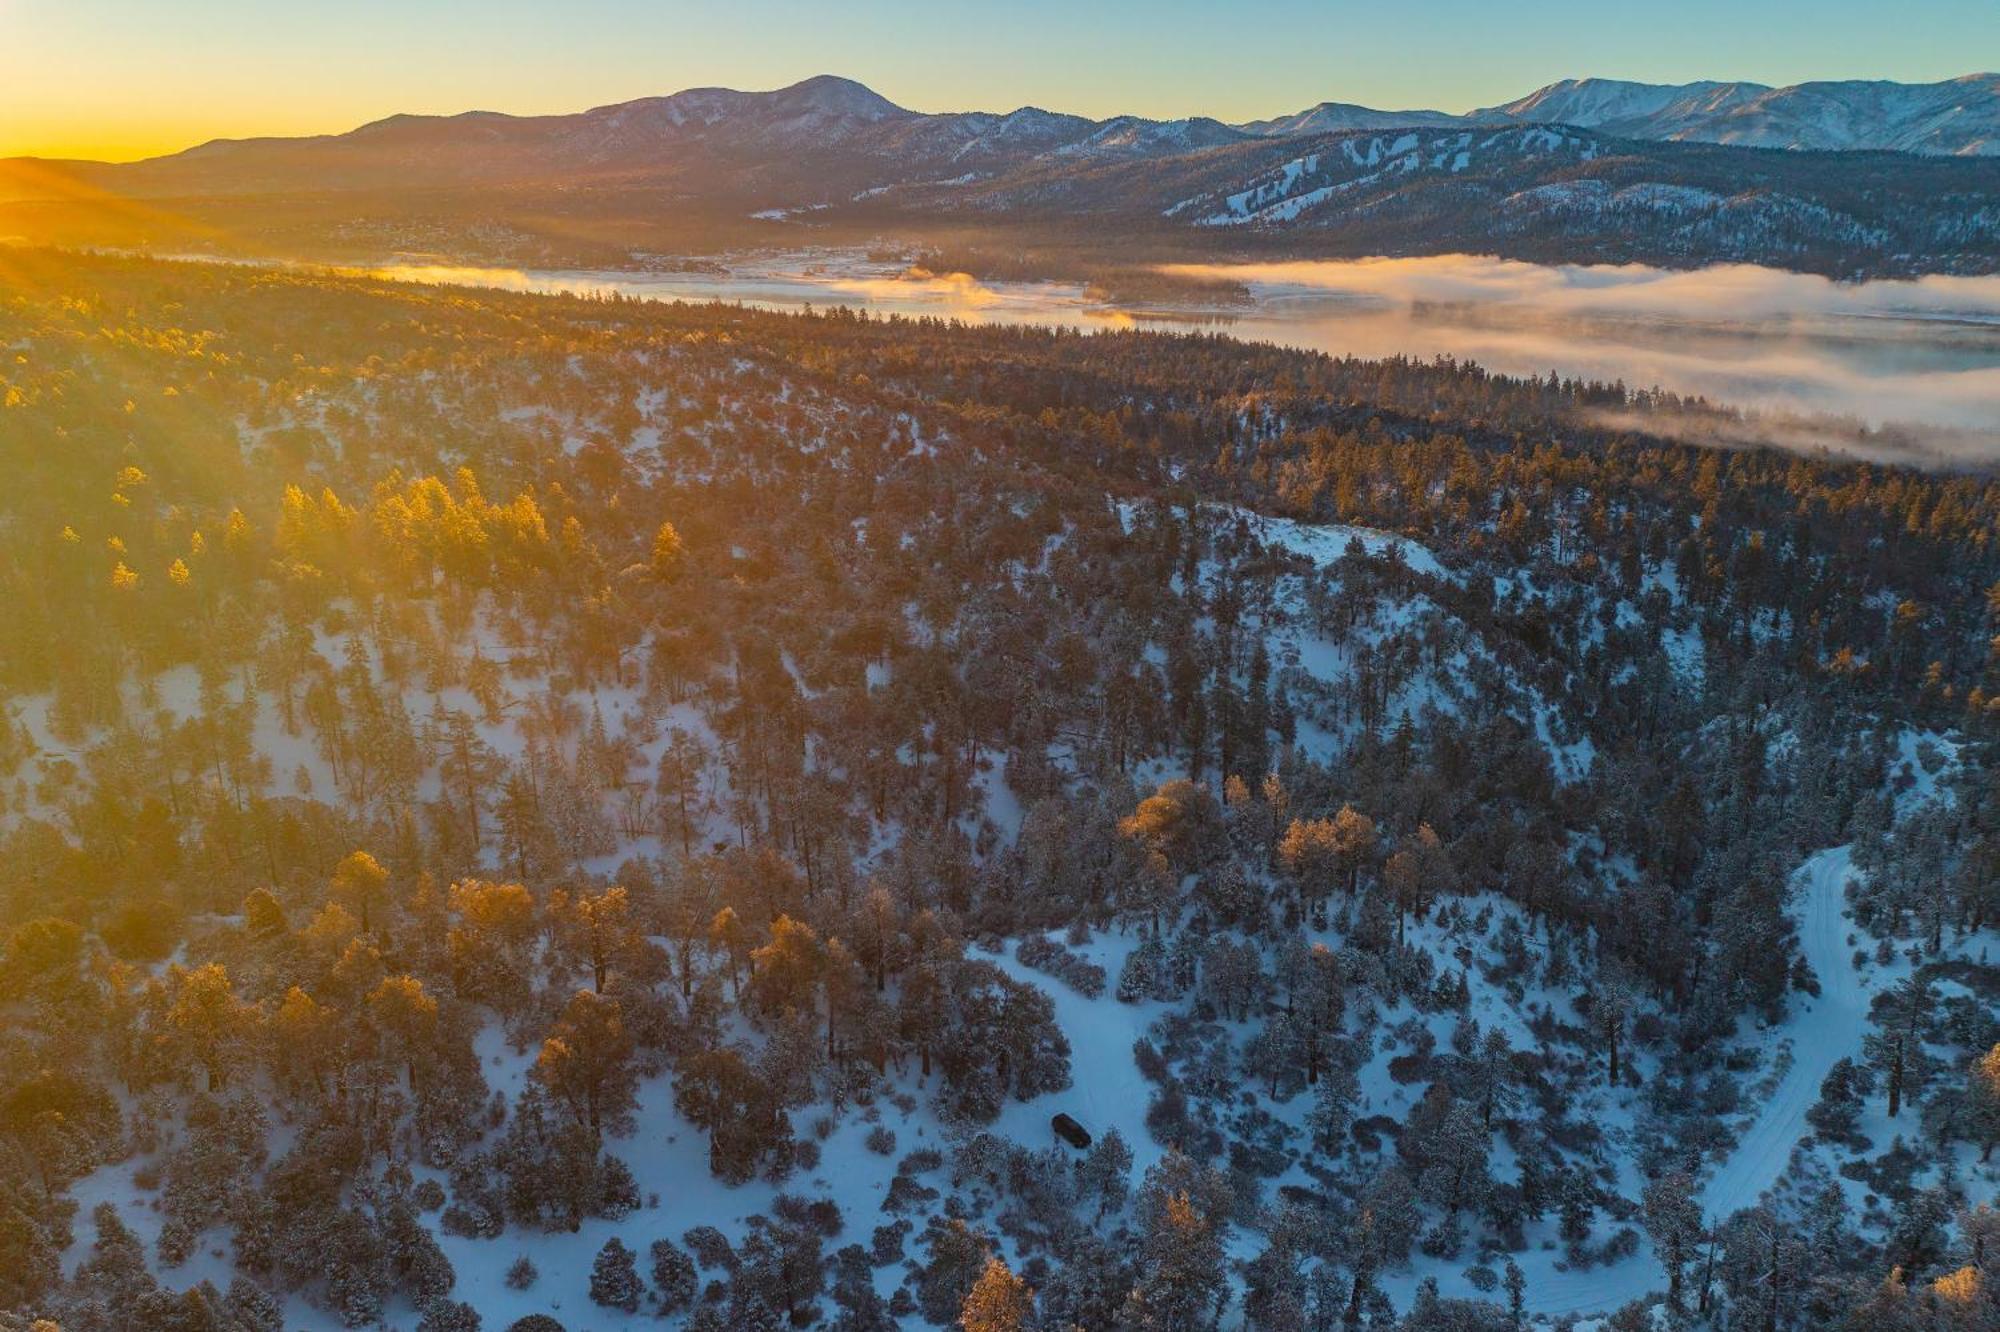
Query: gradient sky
point(128, 78)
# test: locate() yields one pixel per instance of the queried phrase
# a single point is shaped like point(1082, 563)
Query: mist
point(1917, 360)
point(1921, 356)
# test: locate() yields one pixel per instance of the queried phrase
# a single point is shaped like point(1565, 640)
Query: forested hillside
point(533, 812)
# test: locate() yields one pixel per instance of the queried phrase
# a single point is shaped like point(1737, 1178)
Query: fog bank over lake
point(1923, 352)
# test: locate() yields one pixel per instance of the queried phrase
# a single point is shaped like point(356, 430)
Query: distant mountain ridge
point(829, 114)
point(1956, 118)
point(829, 136)
point(1905, 178)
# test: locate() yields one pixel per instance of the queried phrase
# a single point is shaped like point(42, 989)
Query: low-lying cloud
point(1729, 291)
point(1921, 356)
point(1923, 353)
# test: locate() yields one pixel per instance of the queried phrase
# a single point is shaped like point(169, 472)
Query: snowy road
point(1821, 1032)
point(1108, 1091)
point(1825, 1030)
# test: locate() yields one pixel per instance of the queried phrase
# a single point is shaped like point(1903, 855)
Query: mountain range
point(1955, 118)
point(839, 118)
point(1894, 177)
point(1958, 117)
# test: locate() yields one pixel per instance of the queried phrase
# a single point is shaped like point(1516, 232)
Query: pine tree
point(780, 1274)
point(1761, 1263)
point(1389, 1206)
point(360, 883)
point(614, 1278)
point(678, 785)
point(116, 1270)
point(1332, 1110)
point(1610, 1008)
point(1673, 1219)
point(594, 930)
point(1489, 1074)
point(1106, 1171)
point(1182, 1278)
point(1897, 1047)
point(1310, 854)
point(1139, 977)
point(1839, 1107)
point(213, 1024)
point(1182, 1211)
point(1353, 843)
point(248, 1307)
point(998, 1302)
point(955, 1260)
point(675, 1282)
point(1985, 1098)
point(449, 1316)
point(586, 1062)
point(669, 556)
point(405, 1020)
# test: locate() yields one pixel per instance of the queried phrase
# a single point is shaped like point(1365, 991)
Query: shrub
point(906, 1195)
point(1152, 1066)
point(710, 1247)
point(1051, 958)
point(885, 1245)
point(921, 1161)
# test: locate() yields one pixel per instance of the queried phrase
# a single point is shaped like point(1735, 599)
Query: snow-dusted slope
point(1958, 117)
point(829, 137)
point(1827, 1029)
point(1955, 117)
point(1822, 1031)
point(1331, 117)
point(1358, 164)
point(1607, 102)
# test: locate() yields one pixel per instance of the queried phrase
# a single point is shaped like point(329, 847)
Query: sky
point(119, 79)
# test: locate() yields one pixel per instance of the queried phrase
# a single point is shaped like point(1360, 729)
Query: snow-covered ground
point(1821, 1031)
point(1824, 1030)
point(668, 1156)
point(1109, 1092)
point(1106, 1089)
point(1324, 543)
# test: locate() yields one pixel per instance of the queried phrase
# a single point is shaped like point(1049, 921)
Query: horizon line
point(116, 159)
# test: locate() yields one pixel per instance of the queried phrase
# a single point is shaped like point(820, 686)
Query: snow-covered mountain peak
point(825, 98)
point(1333, 117)
point(831, 95)
point(1956, 117)
point(1592, 102)
point(1132, 134)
